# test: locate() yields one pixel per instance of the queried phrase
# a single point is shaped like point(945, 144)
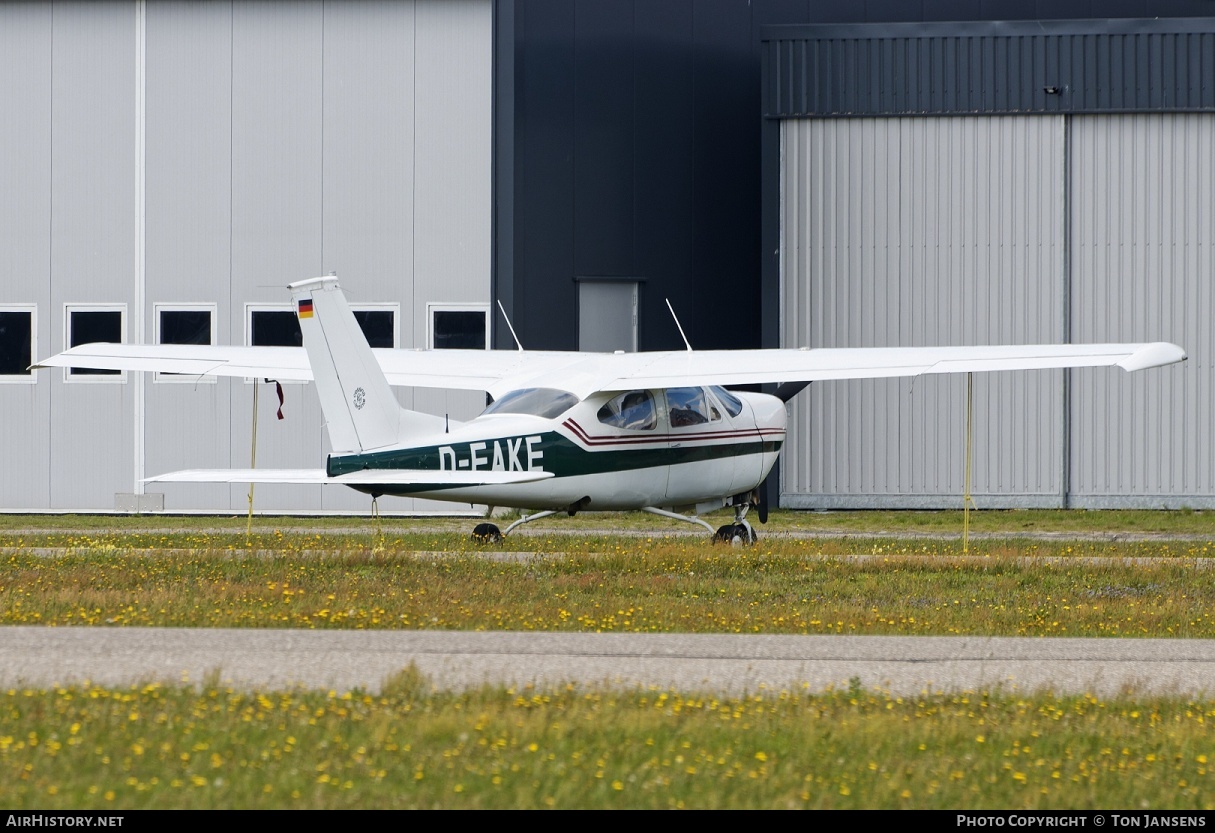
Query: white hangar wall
point(1001, 229)
point(209, 154)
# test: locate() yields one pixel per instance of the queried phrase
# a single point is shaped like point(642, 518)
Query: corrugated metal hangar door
point(913, 232)
point(999, 230)
point(1142, 196)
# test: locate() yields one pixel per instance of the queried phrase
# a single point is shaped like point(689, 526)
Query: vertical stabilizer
point(361, 411)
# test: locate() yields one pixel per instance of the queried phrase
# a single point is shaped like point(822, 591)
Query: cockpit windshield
point(541, 402)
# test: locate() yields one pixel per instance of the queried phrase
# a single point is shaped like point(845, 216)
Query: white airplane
point(566, 431)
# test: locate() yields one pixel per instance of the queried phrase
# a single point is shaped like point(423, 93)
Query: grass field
point(153, 747)
point(1186, 522)
point(1033, 573)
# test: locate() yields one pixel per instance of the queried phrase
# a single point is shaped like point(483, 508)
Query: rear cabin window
point(541, 402)
point(633, 410)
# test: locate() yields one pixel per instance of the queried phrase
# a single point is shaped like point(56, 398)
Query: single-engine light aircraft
point(565, 431)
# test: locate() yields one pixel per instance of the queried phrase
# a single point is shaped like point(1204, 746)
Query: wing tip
point(1155, 354)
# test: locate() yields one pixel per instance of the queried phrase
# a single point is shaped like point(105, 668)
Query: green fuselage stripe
point(549, 451)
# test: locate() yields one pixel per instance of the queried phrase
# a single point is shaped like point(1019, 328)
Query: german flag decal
point(305, 308)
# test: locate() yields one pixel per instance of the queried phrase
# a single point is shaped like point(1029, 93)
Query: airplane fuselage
point(664, 448)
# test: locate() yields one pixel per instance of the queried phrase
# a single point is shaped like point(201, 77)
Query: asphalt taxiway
point(731, 664)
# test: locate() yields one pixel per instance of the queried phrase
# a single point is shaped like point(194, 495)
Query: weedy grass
point(575, 748)
point(410, 746)
point(1191, 522)
point(601, 584)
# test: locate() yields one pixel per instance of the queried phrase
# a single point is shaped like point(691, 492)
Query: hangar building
point(1003, 183)
point(787, 173)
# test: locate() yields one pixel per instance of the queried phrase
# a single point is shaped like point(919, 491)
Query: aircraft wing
point(281, 363)
point(501, 371)
point(367, 477)
point(738, 367)
point(585, 373)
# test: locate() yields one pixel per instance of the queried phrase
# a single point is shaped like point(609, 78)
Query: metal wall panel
point(665, 233)
point(452, 174)
point(94, 238)
point(25, 220)
point(369, 125)
point(370, 53)
point(541, 215)
point(603, 155)
point(188, 235)
point(452, 154)
point(632, 150)
point(1076, 66)
point(212, 153)
point(915, 232)
point(1143, 253)
point(276, 210)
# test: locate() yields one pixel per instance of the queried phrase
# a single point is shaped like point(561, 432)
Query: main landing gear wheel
point(739, 533)
point(487, 534)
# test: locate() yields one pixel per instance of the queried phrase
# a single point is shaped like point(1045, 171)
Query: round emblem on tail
point(360, 398)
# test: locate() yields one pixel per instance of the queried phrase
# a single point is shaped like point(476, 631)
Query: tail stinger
point(361, 411)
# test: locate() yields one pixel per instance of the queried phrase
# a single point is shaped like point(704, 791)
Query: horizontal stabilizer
point(366, 477)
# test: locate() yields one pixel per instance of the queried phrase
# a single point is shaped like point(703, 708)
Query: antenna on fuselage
point(677, 324)
point(510, 327)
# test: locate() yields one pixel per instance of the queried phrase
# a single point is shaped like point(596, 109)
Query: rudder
point(361, 411)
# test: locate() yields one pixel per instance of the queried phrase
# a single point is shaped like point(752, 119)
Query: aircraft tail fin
point(361, 411)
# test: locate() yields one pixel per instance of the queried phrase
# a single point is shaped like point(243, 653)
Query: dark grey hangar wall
point(639, 150)
point(627, 149)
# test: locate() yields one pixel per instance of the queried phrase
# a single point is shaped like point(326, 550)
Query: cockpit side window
point(633, 410)
point(729, 401)
point(690, 406)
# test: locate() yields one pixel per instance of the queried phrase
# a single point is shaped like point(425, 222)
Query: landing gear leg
point(488, 533)
point(692, 519)
point(528, 519)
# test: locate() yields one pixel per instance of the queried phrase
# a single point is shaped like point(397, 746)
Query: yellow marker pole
point(966, 499)
point(252, 462)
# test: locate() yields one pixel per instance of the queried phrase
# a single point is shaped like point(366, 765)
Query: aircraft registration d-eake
point(565, 431)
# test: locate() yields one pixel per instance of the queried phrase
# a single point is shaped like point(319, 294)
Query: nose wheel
point(739, 532)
